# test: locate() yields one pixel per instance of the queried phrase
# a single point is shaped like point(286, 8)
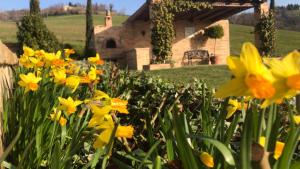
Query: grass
point(212, 75)
point(68, 29)
point(286, 40)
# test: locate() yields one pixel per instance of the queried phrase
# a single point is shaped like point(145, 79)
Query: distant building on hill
point(130, 44)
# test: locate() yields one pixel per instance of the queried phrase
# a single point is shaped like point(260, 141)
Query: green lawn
point(286, 40)
point(212, 75)
point(68, 29)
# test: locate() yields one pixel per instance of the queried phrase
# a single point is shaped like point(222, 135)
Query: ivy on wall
point(163, 33)
point(267, 34)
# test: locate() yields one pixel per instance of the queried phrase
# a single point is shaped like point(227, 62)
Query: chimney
point(108, 19)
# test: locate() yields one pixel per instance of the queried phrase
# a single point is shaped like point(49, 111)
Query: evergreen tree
point(89, 42)
point(35, 7)
point(33, 32)
point(272, 5)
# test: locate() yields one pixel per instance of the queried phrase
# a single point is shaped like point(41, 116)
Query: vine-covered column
point(265, 29)
point(162, 21)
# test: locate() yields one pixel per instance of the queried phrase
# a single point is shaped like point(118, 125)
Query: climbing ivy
point(163, 32)
point(267, 34)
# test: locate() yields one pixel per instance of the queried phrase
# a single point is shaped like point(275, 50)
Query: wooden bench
point(202, 56)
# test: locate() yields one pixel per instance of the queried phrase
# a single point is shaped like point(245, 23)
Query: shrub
point(214, 32)
point(33, 32)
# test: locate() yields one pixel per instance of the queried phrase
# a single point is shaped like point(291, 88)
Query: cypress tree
point(89, 43)
point(272, 5)
point(35, 7)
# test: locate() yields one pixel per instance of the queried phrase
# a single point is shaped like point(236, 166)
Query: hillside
point(71, 29)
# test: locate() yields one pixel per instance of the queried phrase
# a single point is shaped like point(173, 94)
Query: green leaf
point(149, 153)
point(296, 165)
point(185, 151)
point(246, 142)
point(289, 148)
point(225, 151)
point(157, 163)
point(120, 164)
point(11, 145)
point(8, 165)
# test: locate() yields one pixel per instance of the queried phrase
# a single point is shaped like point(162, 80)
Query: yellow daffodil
point(40, 54)
point(69, 52)
point(24, 61)
point(28, 51)
point(297, 119)
point(72, 69)
point(278, 147)
point(233, 106)
point(92, 74)
point(59, 76)
point(106, 125)
point(29, 81)
point(106, 104)
point(96, 60)
point(287, 74)
point(49, 57)
point(73, 82)
point(57, 116)
point(69, 105)
point(251, 76)
point(207, 159)
point(58, 63)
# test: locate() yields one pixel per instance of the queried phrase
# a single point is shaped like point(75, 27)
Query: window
point(111, 43)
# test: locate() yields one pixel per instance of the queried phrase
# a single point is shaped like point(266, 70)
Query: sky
point(130, 6)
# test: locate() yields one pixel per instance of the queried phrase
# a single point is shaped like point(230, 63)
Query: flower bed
point(67, 115)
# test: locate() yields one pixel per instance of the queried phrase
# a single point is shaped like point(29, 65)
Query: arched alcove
point(111, 43)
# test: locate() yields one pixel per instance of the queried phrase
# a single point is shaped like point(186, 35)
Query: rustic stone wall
point(138, 58)
point(198, 41)
point(136, 37)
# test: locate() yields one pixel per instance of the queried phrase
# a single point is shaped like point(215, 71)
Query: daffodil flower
point(106, 125)
point(96, 60)
point(287, 75)
point(57, 116)
point(102, 104)
point(28, 51)
point(69, 105)
point(207, 159)
point(69, 52)
point(297, 119)
point(251, 76)
point(59, 76)
point(73, 82)
point(29, 81)
point(279, 146)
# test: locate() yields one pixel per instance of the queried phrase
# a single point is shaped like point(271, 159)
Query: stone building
point(130, 44)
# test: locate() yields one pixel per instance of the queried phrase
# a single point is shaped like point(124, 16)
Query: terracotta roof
point(7, 57)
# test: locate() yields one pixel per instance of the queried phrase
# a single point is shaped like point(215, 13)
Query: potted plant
point(214, 32)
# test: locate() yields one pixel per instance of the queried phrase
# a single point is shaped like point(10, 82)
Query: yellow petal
point(124, 131)
point(236, 66)
point(235, 87)
point(278, 149)
point(291, 63)
point(231, 108)
point(297, 119)
point(251, 58)
point(207, 159)
point(100, 111)
point(102, 139)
